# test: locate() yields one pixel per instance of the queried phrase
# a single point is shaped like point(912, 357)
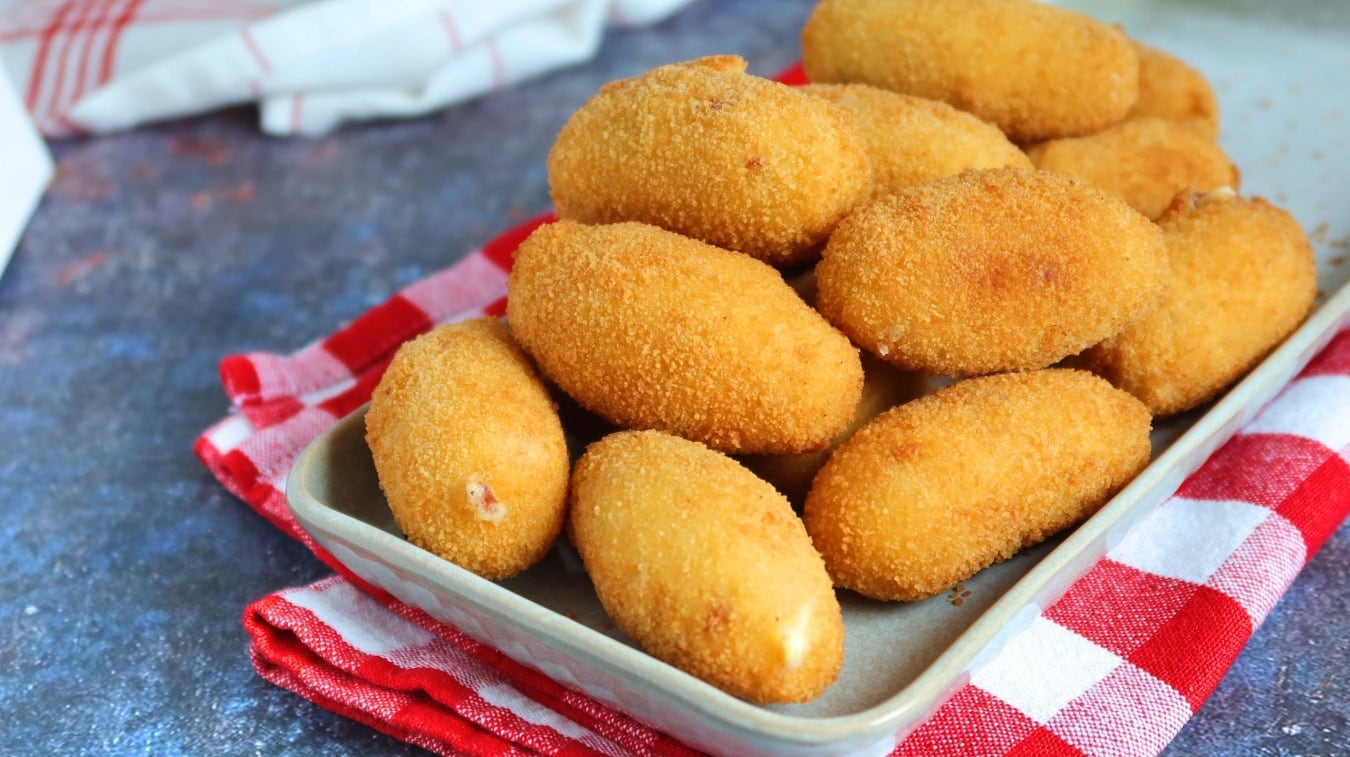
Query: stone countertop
point(126, 567)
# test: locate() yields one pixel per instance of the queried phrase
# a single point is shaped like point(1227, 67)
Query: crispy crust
point(704, 149)
point(1144, 161)
point(469, 449)
point(884, 387)
point(912, 140)
point(1243, 277)
point(1034, 70)
point(1170, 88)
point(937, 489)
point(995, 270)
point(706, 567)
point(654, 330)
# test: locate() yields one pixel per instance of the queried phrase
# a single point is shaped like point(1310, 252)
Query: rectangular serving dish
point(903, 660)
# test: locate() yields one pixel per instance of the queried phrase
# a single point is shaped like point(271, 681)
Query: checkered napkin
point(93, 66)
point(1114, 668)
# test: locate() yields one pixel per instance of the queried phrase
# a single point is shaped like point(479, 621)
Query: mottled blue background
point(125, 567)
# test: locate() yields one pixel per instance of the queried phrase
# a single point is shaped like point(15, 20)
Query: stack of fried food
point(751, 276)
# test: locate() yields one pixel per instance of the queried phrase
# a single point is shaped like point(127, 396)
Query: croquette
point(1172, 89)
point(1243, 277)
point(469, 450)
point(995, 270)
point(706, 567)
point(651, 329)
point(884, 387)
point(1034, 70)
point(1145, 161)
point(704, 149)
point(931, 492)
point(911, 140)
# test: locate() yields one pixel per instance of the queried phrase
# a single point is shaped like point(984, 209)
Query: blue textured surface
point(125, 567)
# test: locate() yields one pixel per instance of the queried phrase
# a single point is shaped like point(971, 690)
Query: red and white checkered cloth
point(1113, 669)
point(93, 66)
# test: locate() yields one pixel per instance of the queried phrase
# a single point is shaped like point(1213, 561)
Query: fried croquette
point(1034, 70)
point(931, 492)
point(651, 329)
point(1145, 161)
point(1243, 278)
point(706, 150)
point(994, 270)
point(1170, 88)
point(469, 450)
point(706, 567)
point(884, 387)
point(911, 140)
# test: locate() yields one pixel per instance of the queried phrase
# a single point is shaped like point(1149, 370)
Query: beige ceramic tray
point(1283, 124)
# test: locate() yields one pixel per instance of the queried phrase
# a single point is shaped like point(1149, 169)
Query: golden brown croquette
point(1172, 89)
point(1144, 161)
point(1034, 70)
point(1242, 278)
point(995, 270)
point(931, 492)
point(706, 566)
point(469, 450)
point(911, 140)
point(651, 329)
point(704, 149)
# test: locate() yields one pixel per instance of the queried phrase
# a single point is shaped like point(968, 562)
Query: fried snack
point(911, 140)
point(1243, 278)
point(1145, 161)
point(937, 489)
point(706, 567)
point(704, 149)
point(469, 450)
point(1170, 88)
point(1034, 70)
point(884, 387)
point(995, 270)
point(650, 329)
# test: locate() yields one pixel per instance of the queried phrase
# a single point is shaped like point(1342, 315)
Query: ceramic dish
point(1282, 127)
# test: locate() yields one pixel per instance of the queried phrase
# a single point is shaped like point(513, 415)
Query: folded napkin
point(1114, 668)
point(92, 66)
point(28, 168)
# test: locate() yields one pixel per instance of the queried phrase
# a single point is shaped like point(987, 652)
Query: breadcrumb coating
point(1172, 89)
point(1243, 277)
point(704, 149)
point(911, 140)
point(651, 329)
point(1145, 161)
point(706, 567)
point(469, 450)
point(995, 270)
point(1034, 70)
point(937, 489)
point(884, 387)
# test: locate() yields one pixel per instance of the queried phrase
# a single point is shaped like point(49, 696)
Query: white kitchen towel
point(94, 66)
point(25, 169)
